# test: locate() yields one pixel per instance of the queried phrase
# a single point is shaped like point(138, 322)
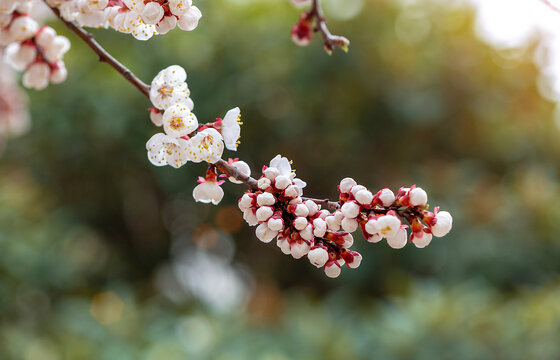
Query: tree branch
point(104, 56)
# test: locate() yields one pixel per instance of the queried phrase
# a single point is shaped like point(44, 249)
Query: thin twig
point(331, 41)
point(104, 56)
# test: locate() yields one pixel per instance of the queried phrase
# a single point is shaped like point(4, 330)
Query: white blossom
point(399, 240)
point(418, 197)
point(167, 150)
point(37, 76)
point(169, 87)
point(152, 13)
point(178, 120)
point(189, 21)
point(332, 269)
point(318, 256)
point(421, 239)
point(206, 145)
point(387, 226)
point(230, 128)
point(208, 192)
point(443, 224)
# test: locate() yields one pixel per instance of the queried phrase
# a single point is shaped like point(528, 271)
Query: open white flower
point(169, 88)
point(167, 150)
point(189, 21)
point(284, 168)
point(179, 121)
point(208, 191)
point(206, 145)
point(231, 129)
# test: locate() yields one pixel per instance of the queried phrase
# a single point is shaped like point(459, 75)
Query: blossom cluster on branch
point(274, 203)
point(302, 228)
point(142, 19)
point(36, 50)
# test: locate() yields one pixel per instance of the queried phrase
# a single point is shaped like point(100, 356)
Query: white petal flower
point(135, 5)
point(189, 21)
point(58, 73)
point(231, 129)
point(284, 168)
point(179, 121)
point(37, 76)
point(179, 7)
point(299, 249)
point(208, 192)
point(206, 145)
point(169, 87)
point(167, 150)
point(443, 224)
point(23, 27)
point(152, 13)
point(166, 24)
point(388, 225)
point(20, 57)
point(398, 241)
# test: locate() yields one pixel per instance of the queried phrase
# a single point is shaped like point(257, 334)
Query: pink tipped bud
point(443, 224)
point(281, 182)
point(319, 227)
point(312, 207)
point(332, 269)
point(300, 223)
point(275, 224)
point(398, 241)
point(418, 197)
point(364, 197)
point(266, 199)
point(263, 183)
point(300, 249)
point(350, 209)
point(353, 259)
point(349, 225)
point(250, 218)
point(264, 234)
point(346, 184)
point(421, 239)
point(291, 191)
point(318, 256)
point(271, 173)
point(264, 213)
point(348, 241)
point(307, 233)
point(386, 197)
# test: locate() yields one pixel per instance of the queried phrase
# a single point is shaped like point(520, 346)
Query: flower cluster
point(36, 50)
point(381, 215)
point(184, 139)
point(302, 228)
point(142, 19)
point(14, 117)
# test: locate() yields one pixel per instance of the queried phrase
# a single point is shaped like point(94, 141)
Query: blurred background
point(104, 256)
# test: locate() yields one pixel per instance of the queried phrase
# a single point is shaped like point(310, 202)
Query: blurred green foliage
point(88, 226)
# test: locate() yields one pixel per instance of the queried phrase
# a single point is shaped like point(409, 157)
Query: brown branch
point(104, 56)
point(331, 41)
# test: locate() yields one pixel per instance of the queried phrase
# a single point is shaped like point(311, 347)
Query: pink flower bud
point(319, 227)
point(275, 224)
point(307, 233)
point(250, 218)
point(291, 191)
point(281, 182)
point(349, 225)
point(350, 209)
point(312, 207)
point(364, 197)
point(346, 184)
point(398, 241)
point(318, 256)
point(332, 269)
point(264, 213)
point(263, 183)
point(264, 234)
point(443, 224)
point(421, 239)
point(300, 223)
point(299, 249)
point(418, 197)
point(386, 197)
point(266, 199)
